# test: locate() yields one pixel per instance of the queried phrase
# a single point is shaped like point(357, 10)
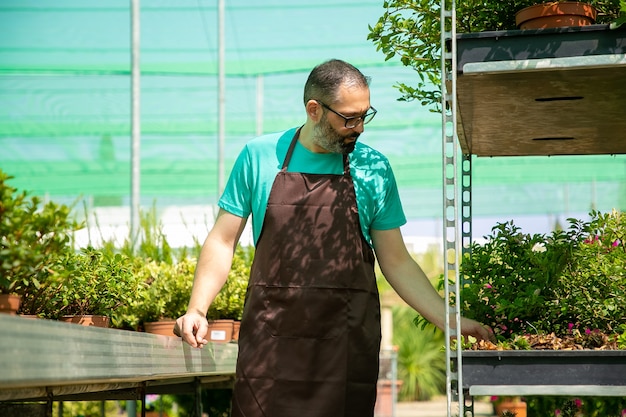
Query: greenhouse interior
point(66, 116)
point(111, 106)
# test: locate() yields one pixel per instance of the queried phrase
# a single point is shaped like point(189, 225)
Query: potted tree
point(32, 236)
point(409, 30)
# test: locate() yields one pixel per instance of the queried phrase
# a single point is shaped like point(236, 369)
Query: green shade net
point(65, 105)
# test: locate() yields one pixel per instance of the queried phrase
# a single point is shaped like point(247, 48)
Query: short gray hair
point(326, 78)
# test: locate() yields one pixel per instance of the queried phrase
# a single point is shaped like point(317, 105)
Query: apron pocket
point(305, 312)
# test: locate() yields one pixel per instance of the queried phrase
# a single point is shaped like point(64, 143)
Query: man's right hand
point(193, 328)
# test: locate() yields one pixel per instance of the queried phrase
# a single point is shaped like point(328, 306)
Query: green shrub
point(567, 280)
point(165, 290)
point(33, 236)
point(91, 282)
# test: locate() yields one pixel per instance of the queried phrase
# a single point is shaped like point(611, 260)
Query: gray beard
point(327, 138)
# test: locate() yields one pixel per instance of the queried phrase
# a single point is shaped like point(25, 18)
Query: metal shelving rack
point(493, 71)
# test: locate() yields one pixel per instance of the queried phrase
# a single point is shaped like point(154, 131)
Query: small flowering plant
point(579, 406)
point(569, 282)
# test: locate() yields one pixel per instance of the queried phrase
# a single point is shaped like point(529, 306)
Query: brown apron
point(310, 334)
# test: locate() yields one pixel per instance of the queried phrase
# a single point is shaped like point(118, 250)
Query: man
point(320, 201)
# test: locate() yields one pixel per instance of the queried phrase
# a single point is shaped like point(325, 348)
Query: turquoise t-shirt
point(253, 173)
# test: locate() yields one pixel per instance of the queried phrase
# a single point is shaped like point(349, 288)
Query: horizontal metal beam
point(545, 372)
point(557, 390)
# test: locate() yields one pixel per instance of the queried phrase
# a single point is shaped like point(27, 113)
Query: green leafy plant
point(561, 406)
point(91, 281)
point(571, 283)
point(622, 16)
point(32, 236)
point(409, 30)
point(592, 291)
point(164, 292)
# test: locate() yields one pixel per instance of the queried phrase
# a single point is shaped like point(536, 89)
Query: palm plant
point(421, 360)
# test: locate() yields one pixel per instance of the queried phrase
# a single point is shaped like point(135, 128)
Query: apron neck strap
point(292, 146)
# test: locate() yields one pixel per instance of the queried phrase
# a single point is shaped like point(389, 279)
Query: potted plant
point(227, 308)
point(508, 405)
point(32, 236)
point(569, 284)
point(165, 289)
point(410, 31)
point(91, 282)
point(163, 296)
point(555, 301)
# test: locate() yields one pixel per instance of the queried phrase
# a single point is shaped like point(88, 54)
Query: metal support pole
point(221, 97)
point(259, 104)
point(451, 229)
point(131, 408)
point(49, 404)
point(466, 204)
point(198, 398)
point(394, 378)
point(142, 395)
point(135, 125)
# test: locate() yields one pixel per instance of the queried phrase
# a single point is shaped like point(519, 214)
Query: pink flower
point(578, 403)
point(587, 331)
point(557, 412)
point(488, 286)
point(570, 326)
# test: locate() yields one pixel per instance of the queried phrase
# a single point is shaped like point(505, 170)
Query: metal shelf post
point(451, 229)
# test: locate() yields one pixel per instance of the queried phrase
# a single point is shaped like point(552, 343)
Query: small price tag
point(218, 334)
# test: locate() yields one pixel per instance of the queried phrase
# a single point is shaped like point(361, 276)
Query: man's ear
point(314, 110)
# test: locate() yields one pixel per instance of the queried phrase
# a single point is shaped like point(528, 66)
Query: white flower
point(539, 247)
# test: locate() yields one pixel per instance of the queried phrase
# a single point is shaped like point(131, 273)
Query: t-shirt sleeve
point(389, 213)
point(236, 198)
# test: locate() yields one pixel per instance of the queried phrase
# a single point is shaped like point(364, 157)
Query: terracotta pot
point(9, 303)
point(385, 398)
point(236, 326)
point(87, 320)
point(221, 331)
point(556, 14)
point(162, 327)
point(515, 406)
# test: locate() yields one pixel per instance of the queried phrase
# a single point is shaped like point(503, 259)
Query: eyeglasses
point(352, 122)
